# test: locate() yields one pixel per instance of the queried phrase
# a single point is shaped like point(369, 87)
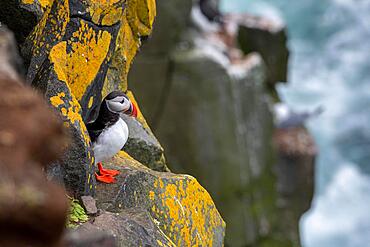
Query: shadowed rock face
point(226, 145)
point(257, 34)
point(18, 19)
point(144, 147)
point(150, 87)
point(295, 169)
point(212, 115)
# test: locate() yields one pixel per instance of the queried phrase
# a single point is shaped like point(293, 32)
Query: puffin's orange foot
point(106, 178)
point(103, 171)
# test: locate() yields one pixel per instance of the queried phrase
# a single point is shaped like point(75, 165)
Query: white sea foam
point(330, 66)
point(339, 212)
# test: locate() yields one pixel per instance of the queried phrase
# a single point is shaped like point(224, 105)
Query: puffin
point(210, 11)
point(109, 132)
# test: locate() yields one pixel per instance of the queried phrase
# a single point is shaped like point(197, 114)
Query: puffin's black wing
point(94, 130)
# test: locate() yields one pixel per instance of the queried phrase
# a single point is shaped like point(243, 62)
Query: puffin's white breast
point(202, 22)
point(110, 141)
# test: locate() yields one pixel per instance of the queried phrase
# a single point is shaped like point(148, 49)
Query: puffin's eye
point(123, 100)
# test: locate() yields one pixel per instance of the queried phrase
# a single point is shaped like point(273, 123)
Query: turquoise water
point(330, 66)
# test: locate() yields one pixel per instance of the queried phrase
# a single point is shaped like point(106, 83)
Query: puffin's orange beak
point(134, 110)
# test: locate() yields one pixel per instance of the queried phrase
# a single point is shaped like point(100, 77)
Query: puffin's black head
point(118, 102)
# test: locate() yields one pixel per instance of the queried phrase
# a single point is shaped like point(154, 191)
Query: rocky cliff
point(210, 105)
point(75, 53)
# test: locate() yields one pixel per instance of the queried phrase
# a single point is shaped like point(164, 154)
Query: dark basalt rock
point(20, 19)
point(88, 235)
point(295, 167)
point(89, 204)
point(227, 142)
point(131, 228)
point(258, 34)
point(143, 146)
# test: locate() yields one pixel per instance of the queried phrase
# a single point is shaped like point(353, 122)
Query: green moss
point(77, 214)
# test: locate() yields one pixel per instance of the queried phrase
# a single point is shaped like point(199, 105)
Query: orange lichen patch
point(187, 210)
point(182, 208)
point(105, 9)
point(140, 15)
point(52, 25)
point(91, 102)
point(168, 243)
point(151, 195)
point(71, 110)
point(80, 67)
point(146, 12)
point(27, 1)
point(111, 84)
point(57, 100)
point(113, 16)
point(127, 45)
point(43, 3)
point(125, 155)
point(137, 20)
point(122, 158)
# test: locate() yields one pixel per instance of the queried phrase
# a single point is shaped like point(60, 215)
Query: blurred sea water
point(330, 66)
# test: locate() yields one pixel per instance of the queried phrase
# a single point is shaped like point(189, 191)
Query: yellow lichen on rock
point(106, 12)
point(57, 100)
point(182, 208)
point(112, 17)
point(91, 101)
point(79, 67)
point(140, 15)
point(45, 3)
point(51, 25)
point(27, 1)
point(72, 113)
point(127, 45)
point(42, 3)
point(185, 201)
point(125, 156)
point(136, 21)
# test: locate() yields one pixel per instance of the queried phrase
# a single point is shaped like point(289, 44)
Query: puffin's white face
point(119, 104)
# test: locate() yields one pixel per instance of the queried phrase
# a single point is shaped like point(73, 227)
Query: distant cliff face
point(78, 52)
point(212, 113)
